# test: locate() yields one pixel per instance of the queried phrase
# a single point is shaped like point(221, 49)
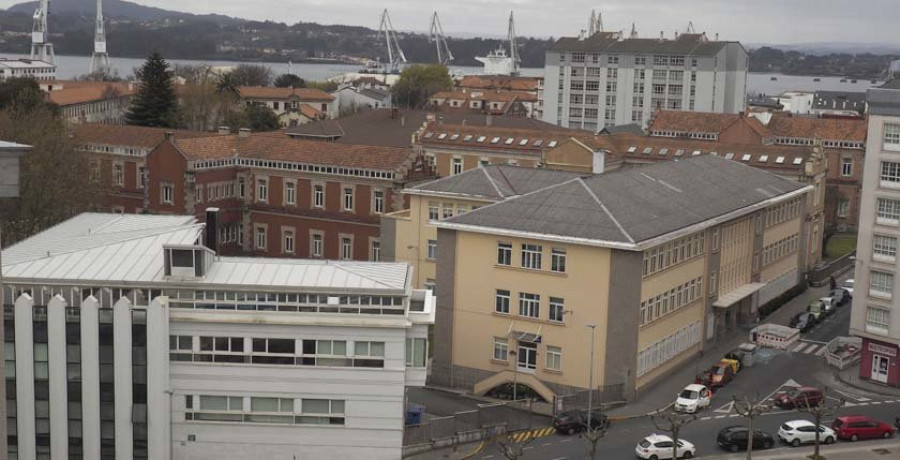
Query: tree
point(512, 449)
point(289, 80)
point(202, 105)
point(155, 103)
point(24, 93)
point(418, 82)
point(672, 423)
point(750, 409)
point(823, 410)
point(101, 75)
point(593, 434)
point(255, 117)
point(251, 75)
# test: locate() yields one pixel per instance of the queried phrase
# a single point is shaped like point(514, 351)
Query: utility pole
point(515, 374)
point(750, 409)
point(672, 423)
point(593, 328)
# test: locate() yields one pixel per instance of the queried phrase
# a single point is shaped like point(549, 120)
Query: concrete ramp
point(502, 377)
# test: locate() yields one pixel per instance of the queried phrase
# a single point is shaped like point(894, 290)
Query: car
point(855, 427)
point(798, 432)
point(692, 398)
point(841, 296)
point(799, 398)
point(659, 446)
point(734, 438)
point(817, 309)
point(830, 303)
point(848, 286)
point(803, 321)
point(720, 375)
point(575, 421)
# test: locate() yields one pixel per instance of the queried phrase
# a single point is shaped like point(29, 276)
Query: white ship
point(498, 62)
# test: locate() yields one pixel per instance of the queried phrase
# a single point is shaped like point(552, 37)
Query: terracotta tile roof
point(691, 122)
point(780, 125)
point(128, 136)
point(499, 82)
point(844, 129)
point(268, 92)
point(83, 92)
point(311, 112)
point(300, 151)
point(470, 137)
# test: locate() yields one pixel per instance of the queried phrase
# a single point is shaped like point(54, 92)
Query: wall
point(167, 164)
point(443, 158)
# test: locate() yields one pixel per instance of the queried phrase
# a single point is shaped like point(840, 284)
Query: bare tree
point(593, 433)
point(820, 411)
point(512, 449)
point(750, 409)
point(672, 423)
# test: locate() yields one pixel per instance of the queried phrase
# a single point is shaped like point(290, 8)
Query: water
point(69, 67)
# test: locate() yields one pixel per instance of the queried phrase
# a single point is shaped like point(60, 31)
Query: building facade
point(27, 68)
point(607, 79)
point(524, 282)
point(91, 102)
point(170, 351)
point(875, 316)
point(293, 106)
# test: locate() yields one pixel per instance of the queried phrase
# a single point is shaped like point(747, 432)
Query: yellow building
point(661, 260)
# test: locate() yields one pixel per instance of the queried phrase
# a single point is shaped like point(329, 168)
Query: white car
point(692, 398)
point(659, 446)
point(848, 286)
point(798, 432)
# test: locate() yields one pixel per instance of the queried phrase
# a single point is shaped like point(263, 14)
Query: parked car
point(854, 427)
point(799, 397)
point(798, 432)
point(658, 447)
point(817, 309)
point(830, 304)
point(575, 421)
point(732, 360)
point(720, 375)
point(692, 398)
point(848, 286)
point(735, 438)
point(840, 296)
point(803, 321)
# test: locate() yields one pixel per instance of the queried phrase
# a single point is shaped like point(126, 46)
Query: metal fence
point(486, 421)
point(579, 399)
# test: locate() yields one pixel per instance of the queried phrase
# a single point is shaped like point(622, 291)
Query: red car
point(854, 427)
point(799, 397)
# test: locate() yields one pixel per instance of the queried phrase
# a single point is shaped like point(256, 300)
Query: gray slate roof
point(635, 204)
point(685, 44)
point(497, 182)
point(839, 100)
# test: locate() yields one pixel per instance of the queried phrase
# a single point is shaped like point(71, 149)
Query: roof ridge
point(605, 209)
point(512, 199)
point(346, 269)
point(506, 179)
point(493, 183)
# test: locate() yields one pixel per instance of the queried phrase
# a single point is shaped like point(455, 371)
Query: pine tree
point(155, 103)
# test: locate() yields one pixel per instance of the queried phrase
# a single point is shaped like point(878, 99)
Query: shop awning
point(736, 295)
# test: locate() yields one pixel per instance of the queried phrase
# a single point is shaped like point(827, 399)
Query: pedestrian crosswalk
point(523, 436)
point(809, 348)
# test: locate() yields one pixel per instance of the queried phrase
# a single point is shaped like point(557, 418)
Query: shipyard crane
point(99, 58)
point(444, 56)
point(395, 54)
point(513, 47)
point(41, 48)
point(596, 23)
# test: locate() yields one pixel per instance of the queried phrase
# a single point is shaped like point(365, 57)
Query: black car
point(803, 321)
point(575, 421)
point(734, 438)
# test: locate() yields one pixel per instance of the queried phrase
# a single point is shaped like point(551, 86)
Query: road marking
point(487, 457)
point(853, 397)
point(799, 346)
point(721, 416)
point(811, 349)
point(863, 404)
point(529, 447)
point(705, 418)
point(875, 403)
point(565, 441)
point(822, 351)
point(560, 458)
point(734, 415)
point(726, 409)
point(546, 444)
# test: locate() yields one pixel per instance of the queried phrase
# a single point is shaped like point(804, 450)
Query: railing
point(487, 421)
point(579, 400)
point(843, 352)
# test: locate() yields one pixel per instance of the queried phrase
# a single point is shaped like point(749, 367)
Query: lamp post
point(515, 374)
point(593, 328)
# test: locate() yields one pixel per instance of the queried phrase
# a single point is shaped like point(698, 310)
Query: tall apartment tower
point(609, 79)
point(876, 312)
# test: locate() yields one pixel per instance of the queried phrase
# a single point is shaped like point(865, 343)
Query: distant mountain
point(111, 9)
point(824, 48)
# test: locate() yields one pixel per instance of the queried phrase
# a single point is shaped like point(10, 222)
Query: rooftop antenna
point(513, 47)
point(690, 28)
point(395, 54)
point(445, 57)
point(99, 59)
point(41, 48)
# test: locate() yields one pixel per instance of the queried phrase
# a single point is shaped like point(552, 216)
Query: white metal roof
point(304, 273)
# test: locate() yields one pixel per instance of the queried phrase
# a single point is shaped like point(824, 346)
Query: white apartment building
point(15, 68)
point(876, 315)
point(606, 79)
point(125, 338)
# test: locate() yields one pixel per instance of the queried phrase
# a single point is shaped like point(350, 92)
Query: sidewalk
point(850, 376)
point(862, 451)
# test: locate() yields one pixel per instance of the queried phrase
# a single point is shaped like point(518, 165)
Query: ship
point(498, 62)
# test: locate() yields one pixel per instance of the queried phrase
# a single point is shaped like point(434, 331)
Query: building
point(354, 99)
point(796, 102)
point(607, 79)
point(531, 85)
point(294, 106)
point(493, 102)
point(839, 104)
point(521, 280)
point(875, 316)
point(27, 68)
point(91, 102)
point(169, 350)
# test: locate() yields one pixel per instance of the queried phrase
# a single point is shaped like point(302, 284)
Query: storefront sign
point(882, 350)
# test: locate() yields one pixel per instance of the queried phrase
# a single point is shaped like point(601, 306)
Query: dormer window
point(186, 262)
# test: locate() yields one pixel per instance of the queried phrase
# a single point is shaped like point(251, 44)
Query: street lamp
point(593, 328)
point(515, 373)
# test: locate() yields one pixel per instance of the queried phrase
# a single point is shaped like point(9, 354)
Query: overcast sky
point(749, 21)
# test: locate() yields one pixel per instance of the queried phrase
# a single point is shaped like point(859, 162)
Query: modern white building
point(352, 99)
point(876, 314)
point(126, 338)
point(15, 68)
point(607, 79)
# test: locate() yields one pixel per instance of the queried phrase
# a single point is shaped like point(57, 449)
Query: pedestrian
point(833, 283)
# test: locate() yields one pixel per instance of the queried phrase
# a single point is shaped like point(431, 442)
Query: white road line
point(561, 458)
point(487, 457)
point(529, 447)
point(565, 440)
point(821, 351)
point(734, 415)
point(863, 404)
point(811, 349)
point(875, 403)
point(721, 416)
point(546, 444)
point(852, 396)
point(705, 418)
point(799, 347)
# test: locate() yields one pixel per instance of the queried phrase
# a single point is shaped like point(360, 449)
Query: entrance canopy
point(738, 294)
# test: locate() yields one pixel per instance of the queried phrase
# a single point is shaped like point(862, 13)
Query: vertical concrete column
point(56, 353)
point(159, 409)
point(90, 377)
point(124, 400)
point(25, 376)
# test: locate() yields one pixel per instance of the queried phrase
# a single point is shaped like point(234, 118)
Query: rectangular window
point(504, 253)
point(884, 248)
point(378, 201)
point(890, 174)
point(888, 212)
point(432, 250)
point(554, 358)
point(531, 256)
point(557, 309)
point(878, 320)
point(262, 190)
point(168, 193)
point(348, 199)
point(881, 284)
point(416, 352)
point(846, 167)
point(319, 196)
point(434, 211)
point(447, 211)
point(118, 174)
point(843, 209)
point(95, 171)
point(501, 349)
point(456, 166)
point(558, 260)
point(321, 412)
point(375, 256)
point(290, 193)
point(346, 248)
point(288, 242)
point(501, 301)
point(261, 237)
point(529, 305)
point(316, 244)
point(891, 136)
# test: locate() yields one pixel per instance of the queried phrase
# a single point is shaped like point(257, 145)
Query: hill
point(111, 9)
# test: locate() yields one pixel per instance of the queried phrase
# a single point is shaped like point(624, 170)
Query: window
point(378, 201)
point(271, 410)
point(316, 244)
point(118, 174)
point(95, 171)
point(501, 349)
point(167, 192)
point(416, 352)
point(446, 211)
point(321, 412)
point(504, 253)
point(554, 358)
point(287, 241)
point(881, 284)
point(220, 408)
point(888, 212)
point(612, 72)
point(290, 193)
point(262, 190)
point(846, 167)
point(501, 301)
point(260, 237)
point(843, 209)
point(529, 305)
point(434, 211)
point(884, 248)
point(432, 250)
point(375, 255)
point(372, 354)
point(890, 174)
point(558, 260)
point(346, 248)
point(891, 136)
point(319, 196)
point(142, 176)
point(348, 199)
point(878, 320)
point(531, 256)
point(557, 309)
point(241, 191)
point(456, 166)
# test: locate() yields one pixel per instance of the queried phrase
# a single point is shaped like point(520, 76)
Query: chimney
point(489, 120)
point(224, 130)
point(599, 164)
point(170, 135)
point(212, 228)
point(244, 133)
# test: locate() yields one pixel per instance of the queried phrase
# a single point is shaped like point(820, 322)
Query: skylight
point(467, 138)
point(779, 160)
point(729, 156)
point(523, 142)
point(495, 140)
point(454, 137)
point(746, 157)
point(632, 149)
point(429, 135)
point(538, 142)
point(442, 136)
point(679, 152)
point(695, 153)
point(798, 160)
point(552, 144)
point(481, 139)
point(763, 158)
point(648, 150)
point(663, 151)
point(510, 140)
point(715, 154)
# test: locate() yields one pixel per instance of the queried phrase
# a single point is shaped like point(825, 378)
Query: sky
point(748, 21)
